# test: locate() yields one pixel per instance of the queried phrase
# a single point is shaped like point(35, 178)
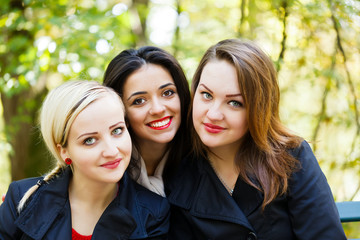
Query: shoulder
point(310, 199)
point(301, 151)
point(151, 201)
point(186, 181)
point(308, 164)
point(150, 211)
point(308, 181)
point(141, 200)
point(8, 209)
point(18, 188)
point(16, 191)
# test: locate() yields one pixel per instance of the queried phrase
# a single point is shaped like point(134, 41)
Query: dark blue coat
point(136, 213)
point(201, 207)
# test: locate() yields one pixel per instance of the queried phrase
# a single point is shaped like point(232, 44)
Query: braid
point(31, 190)
point(56, 171)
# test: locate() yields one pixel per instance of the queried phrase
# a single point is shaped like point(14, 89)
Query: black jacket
point(201, 207)
point(136, 213)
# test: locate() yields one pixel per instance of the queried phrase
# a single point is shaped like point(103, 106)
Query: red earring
point(68, 161)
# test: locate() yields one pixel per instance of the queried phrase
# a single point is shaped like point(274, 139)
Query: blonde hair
point(59, 110)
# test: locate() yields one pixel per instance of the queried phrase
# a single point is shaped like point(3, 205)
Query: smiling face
point(98, 143)
point(219, 115)
point(152, 104)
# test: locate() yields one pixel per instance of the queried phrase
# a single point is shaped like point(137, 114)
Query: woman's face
point(99, 144)
point(152, 104)
point(219, 115)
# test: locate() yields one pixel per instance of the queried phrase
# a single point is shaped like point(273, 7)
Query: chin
point(165, 137)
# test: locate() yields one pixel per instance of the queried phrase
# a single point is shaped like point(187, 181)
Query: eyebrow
point(227, 95)
point(144, 92)
point(234, 95)
point(165, 85)
point(201, 84)
point(136, 93)
point(93, 133)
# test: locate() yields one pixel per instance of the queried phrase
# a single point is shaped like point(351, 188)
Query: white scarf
point(154, 183)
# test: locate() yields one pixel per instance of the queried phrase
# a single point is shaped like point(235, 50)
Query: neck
point(222, 162)
point(88, 201)
point(152, 153)
point(223, 154)
point(225, 168)
point(92, 193)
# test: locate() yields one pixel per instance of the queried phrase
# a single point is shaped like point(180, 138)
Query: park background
point(315, 46)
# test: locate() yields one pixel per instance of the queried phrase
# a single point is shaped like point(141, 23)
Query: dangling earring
point(68, 161)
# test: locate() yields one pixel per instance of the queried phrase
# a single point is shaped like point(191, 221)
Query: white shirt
point(154, 183)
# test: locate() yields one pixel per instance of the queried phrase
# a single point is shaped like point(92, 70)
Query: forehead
point(106, 106)
point(149, 76)
point(220, 75)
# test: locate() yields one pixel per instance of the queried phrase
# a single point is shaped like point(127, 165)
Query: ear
point(63, 151)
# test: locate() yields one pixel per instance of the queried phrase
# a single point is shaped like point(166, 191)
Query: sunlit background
point(315, 46)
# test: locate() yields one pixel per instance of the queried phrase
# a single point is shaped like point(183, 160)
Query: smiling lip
point(160, 124)
point(112, 164)
point(211, 128)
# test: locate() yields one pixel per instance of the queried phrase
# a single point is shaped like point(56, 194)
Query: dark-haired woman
point(156, 96)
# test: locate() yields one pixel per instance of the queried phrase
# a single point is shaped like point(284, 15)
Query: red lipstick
point(211, 128)
point(160, 124)
point(112, 164)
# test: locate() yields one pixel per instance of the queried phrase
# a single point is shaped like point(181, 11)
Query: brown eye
point(138, 101)
point(168, 93)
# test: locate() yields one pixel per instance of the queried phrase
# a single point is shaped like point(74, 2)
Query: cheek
point(124, 144)
point(241, 124)
point(198, 109)
point(135, 116)
point(175, 105)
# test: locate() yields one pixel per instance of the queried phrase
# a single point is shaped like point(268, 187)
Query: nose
point(157, 107)
point(110, 148)
point(214, 113)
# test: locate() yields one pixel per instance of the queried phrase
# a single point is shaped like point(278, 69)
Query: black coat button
point(251, 236)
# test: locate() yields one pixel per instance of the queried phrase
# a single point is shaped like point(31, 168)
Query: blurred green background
point(314, 44)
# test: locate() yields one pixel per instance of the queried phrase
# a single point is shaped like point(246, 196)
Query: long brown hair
point(262, 159)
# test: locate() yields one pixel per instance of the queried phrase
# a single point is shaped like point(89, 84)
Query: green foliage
point(43, 43)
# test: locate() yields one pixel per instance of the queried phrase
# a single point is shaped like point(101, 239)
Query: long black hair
point(130, 60)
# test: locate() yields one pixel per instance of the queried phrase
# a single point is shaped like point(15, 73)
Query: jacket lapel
point(247, 197)
point(117, 222)
point(201, 192)
point(44, 207)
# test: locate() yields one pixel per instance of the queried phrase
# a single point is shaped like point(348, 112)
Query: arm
point(311, 204)
point(8, 213)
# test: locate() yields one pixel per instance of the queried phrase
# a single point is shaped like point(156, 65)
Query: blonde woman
point(88, 195)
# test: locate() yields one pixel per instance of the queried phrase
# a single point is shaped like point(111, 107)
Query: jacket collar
point(117, 222)
point(44, 205)
point(199, 190)
point(50, 202)
point(248, 198)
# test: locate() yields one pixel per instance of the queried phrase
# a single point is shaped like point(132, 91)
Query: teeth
point(160, 124)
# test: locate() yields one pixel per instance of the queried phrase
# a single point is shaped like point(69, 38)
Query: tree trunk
point(17, 132)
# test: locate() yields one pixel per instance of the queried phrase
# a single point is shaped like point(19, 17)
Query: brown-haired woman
point(249, 177)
